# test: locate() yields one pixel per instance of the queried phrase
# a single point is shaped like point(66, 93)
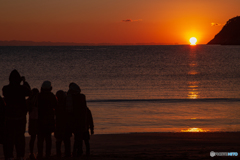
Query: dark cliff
point(230, 33)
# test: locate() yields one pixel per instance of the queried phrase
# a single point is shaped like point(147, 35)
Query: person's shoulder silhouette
point(14, 94)
point(46, 98)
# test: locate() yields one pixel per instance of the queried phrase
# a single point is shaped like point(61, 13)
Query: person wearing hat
point(15, 114)
point(46, 123)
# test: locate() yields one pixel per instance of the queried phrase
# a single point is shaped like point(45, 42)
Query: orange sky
point(115, 21)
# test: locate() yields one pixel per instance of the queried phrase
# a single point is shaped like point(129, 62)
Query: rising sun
point(193, 41)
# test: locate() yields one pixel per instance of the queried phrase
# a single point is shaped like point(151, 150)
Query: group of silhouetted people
point(65, 113)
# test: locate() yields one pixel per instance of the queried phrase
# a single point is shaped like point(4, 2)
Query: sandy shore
point(156, 146)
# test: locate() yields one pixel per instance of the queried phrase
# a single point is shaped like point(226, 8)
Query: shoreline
point(154, 145)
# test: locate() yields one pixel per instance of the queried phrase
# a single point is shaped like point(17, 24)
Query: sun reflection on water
point(193, 90)
point(194, 130)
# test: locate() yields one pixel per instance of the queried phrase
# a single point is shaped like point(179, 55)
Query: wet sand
point(167, 146)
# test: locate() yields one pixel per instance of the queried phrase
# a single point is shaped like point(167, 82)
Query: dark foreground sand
point(141, 146)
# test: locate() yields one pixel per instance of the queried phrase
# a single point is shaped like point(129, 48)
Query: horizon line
point(50, 43)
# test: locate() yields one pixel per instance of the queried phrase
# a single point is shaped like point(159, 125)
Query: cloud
point(127, 20)
point(130, 20)
point(216, 24)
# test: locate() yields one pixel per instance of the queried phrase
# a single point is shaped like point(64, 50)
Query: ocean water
point(140, 88)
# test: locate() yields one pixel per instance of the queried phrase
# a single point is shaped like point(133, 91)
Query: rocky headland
point(230, 33)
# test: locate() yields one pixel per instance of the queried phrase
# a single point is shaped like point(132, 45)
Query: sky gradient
point(115, 21)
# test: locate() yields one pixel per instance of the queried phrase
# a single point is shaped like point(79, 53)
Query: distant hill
point(32, 43)
point(230, 33)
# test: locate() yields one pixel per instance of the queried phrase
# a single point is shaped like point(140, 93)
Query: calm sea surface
point(140, 88)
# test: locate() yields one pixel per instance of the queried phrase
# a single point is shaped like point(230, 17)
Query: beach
point(169, 146)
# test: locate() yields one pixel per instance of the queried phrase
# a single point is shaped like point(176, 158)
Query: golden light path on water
point(193, 92)
point(194, 130)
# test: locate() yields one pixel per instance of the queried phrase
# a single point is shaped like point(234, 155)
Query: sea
point(161, 88)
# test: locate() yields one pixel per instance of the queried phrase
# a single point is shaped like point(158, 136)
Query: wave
point(169, 100)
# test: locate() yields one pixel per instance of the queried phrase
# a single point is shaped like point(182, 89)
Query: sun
point(193, 41)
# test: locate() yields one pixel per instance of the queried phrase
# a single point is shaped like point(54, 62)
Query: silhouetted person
point(46, 123)
point(76, 102)
point(2, 121)
point(15, 113)
point(63, 125)
point(2, 117)
point(33, 119)
point(86, 135)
